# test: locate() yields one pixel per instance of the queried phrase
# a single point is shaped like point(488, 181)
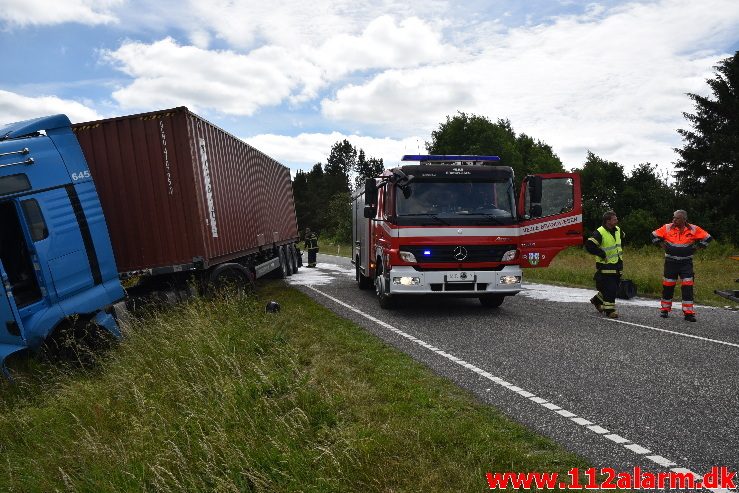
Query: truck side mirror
point(370, 193)
point(370, 211)
point(535, 189)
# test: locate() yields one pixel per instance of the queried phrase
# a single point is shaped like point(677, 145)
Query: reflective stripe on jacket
point(681, 243)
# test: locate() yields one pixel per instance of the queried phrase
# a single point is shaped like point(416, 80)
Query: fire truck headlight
point(407, 256)
point(407, 281)
point(509, 255)
point(510, 280)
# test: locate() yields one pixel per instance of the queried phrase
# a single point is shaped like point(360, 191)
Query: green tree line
point(706, 181)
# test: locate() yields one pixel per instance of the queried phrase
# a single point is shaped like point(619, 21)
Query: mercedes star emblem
point(460, 253)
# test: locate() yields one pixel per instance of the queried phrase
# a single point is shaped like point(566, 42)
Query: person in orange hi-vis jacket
point(679, 239)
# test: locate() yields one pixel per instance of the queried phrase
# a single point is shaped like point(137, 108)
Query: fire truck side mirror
point(534, 189)
point(534, 193)
point(370, 192)
point(370, 211)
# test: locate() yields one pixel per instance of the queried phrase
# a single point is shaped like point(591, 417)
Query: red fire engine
point(452, 226)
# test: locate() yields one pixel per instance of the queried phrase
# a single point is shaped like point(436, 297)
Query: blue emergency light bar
point(448, 158)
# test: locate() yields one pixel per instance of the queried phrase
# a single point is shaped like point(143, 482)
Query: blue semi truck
point(60, 262)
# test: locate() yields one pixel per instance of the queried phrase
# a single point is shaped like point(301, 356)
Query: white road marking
point(682, 334)
point(638, 449)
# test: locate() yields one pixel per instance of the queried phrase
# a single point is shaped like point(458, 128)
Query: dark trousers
point(607, 286)
point(312, 257)
point(673, 271)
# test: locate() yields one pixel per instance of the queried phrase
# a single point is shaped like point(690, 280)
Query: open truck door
point(11, 339)
point(550, 217)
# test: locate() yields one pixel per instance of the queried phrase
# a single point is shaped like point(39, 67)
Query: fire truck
point(452, 225)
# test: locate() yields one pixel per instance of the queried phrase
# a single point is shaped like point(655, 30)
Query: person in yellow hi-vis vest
point(605, 245)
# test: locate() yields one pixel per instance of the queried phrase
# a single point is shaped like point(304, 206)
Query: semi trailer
point(164, 197)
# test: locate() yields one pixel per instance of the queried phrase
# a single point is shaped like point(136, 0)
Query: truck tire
point(492, 300)
point(386, 301)
point(288, 259)
point(363, 281)
point(230, 276)
point(293, 257)
point(281, 273)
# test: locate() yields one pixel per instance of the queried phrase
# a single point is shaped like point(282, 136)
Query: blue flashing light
point(427, 252)
point(448, 158)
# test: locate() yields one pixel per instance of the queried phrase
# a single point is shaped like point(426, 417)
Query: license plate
point(460, 277)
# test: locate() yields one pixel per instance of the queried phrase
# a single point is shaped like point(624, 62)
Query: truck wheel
point(293, 257)
point(386, 301)
point(288, 259)
point(492, 300)
point(282, 272)
point(230, 276)
point(362, 281)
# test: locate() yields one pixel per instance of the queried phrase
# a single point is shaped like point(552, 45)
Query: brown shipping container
point(176, 189)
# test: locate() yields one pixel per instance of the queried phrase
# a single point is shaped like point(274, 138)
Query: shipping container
point(177, 192)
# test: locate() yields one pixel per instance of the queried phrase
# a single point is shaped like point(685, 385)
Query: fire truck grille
point(457, 253)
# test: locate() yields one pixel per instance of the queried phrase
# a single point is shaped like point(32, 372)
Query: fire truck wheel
point(492, 300)
point(386, 301)
point(362, 281)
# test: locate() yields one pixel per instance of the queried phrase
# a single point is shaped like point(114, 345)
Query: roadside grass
point(338, 249)
point(221, 396)
point(643, 265)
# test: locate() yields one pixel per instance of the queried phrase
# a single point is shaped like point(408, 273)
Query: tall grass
point(221, 396)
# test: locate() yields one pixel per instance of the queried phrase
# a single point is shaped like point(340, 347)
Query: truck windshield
point(456, 203)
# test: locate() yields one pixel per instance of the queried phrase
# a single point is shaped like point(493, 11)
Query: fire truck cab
point(453, 226)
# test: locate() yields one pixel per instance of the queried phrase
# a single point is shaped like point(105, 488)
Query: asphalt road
point(661, 394)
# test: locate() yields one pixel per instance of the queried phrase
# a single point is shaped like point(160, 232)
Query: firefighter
point(679, 239)
point(605, 245)
point(311, 244)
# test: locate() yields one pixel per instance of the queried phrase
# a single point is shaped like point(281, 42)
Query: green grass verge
point(220, 396)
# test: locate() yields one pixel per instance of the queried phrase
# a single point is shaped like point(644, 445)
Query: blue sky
point(292, 78)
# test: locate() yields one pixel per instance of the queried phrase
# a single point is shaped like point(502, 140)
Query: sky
point(291, 78)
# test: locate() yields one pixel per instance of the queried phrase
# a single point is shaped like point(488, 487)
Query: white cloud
point(306, 149)
point(15, 107)
point(47, 12)
point(166, 73)
point(612, 81)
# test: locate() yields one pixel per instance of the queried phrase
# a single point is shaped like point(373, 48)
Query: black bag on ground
point(626, 289)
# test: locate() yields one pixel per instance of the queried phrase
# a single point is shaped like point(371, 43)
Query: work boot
point(612, 314)
point(664, 313)
point(689, 317)
point(596, 302)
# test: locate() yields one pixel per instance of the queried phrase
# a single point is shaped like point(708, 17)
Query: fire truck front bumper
point(407, 280)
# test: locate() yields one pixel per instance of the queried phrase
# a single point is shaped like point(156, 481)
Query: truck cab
point(453, 226)
point(56, 259)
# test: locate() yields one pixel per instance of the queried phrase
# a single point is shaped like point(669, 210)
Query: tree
point(366, 168)
point(473, 134)
point(707, 169)
point(341, 161)
point(602, 182)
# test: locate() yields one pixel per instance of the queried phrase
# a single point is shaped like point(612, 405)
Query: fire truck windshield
point(456, 202)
